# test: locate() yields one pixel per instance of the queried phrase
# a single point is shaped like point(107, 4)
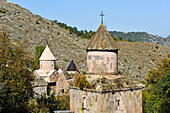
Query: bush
point(49, 104)
point(84, 73)
point(157, 47)
point(37, 21)
point(3, 10)
point(81, 82)
point(153, 59)
point(66, 60)
point(139, 68)
point(125, 60)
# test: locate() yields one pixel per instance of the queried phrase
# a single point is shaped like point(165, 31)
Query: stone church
point(111, 92)
point(53, 81)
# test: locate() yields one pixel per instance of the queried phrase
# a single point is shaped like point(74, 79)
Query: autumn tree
point(81, 82)
point(15, 78)
point(156, 98)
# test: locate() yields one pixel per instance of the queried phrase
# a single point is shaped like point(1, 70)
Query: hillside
point(141, 36)
point(33, 30)
point(135, 58)
point(118, 36)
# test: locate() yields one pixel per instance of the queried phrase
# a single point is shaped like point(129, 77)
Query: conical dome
point(47, 54)
point(102, 40)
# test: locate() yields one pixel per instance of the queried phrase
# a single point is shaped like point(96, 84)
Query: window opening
point(110, 65)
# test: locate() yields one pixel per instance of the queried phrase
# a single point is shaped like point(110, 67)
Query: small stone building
point(47, 69)
point(47, 79)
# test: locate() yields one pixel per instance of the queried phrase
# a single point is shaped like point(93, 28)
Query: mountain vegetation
point(15, 78)
point(117, 36)
point(156, 99)
point(141, 36)
point(82, 33)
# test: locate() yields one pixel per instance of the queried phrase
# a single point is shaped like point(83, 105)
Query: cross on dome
point(102, 14)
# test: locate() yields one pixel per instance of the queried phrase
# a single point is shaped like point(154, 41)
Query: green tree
point(156, 99)
point(81, 33)
point(15, 78)
point(49, 104)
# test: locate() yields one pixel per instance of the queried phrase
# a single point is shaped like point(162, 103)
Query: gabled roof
point(72, 66)
point(47, 54)
point(44, 73)
point(102, 40)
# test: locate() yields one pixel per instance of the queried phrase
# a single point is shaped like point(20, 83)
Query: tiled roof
point(102, 40)
point(47, 54)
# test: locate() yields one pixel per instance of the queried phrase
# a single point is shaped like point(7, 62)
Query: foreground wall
point(108, 102)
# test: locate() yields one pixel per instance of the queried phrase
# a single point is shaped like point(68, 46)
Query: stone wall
point(102, 62)
point(61, 84)
point(40, 90)
point(127, 101)
point(40, 87)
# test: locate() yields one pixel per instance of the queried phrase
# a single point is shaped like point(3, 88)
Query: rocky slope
point(135, 58)
point(33, 30)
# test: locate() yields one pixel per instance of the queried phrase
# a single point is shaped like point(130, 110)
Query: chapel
point(47, 69)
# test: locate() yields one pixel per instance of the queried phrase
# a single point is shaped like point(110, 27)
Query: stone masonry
point(126, 101)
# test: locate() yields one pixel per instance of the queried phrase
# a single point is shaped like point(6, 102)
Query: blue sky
point(152, 16)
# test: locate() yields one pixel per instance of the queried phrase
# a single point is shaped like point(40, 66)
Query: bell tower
point(47, 60)
point(102, 53)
